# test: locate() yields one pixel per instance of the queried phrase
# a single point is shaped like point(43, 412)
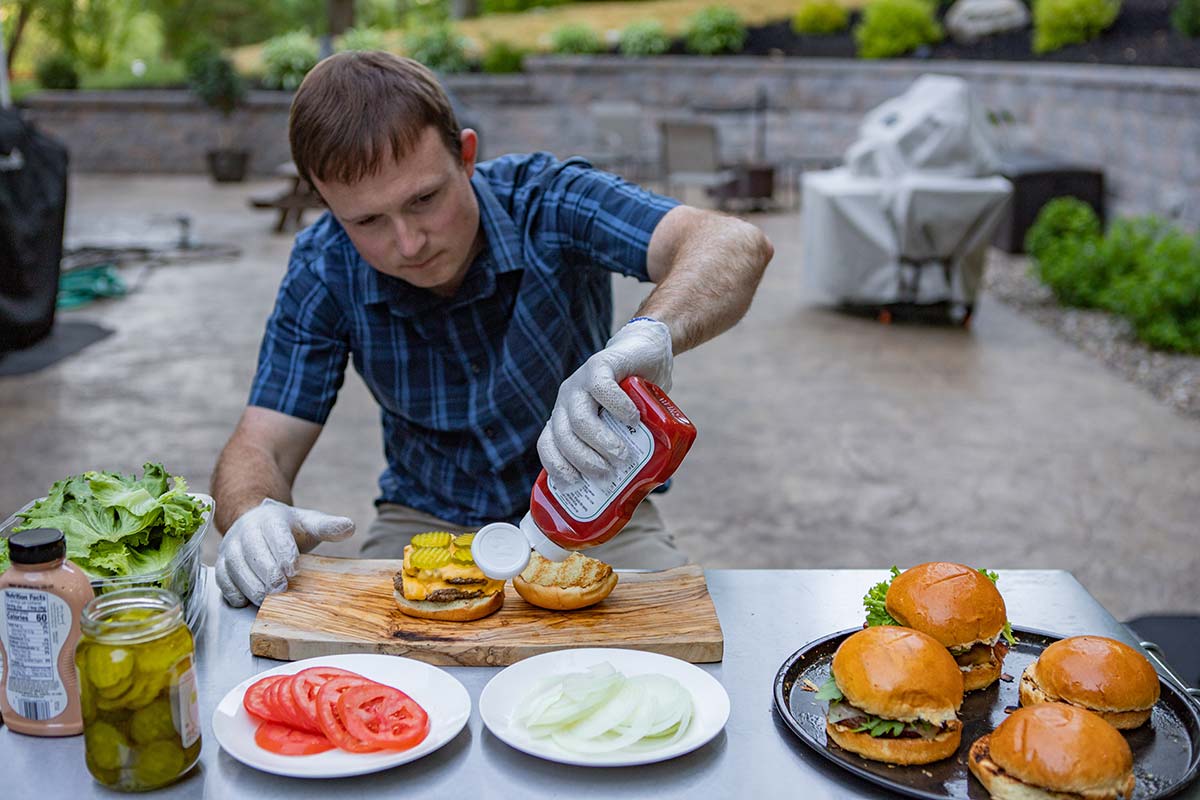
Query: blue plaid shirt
point(466, 383)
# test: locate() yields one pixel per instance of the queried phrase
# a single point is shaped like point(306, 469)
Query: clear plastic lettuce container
point(181, 576)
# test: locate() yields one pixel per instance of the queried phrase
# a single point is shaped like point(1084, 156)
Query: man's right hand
point(259, 551)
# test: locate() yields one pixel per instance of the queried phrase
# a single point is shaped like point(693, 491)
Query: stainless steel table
point(766, 616)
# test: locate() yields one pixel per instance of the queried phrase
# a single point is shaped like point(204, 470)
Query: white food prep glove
point(259, 551)
point(575, 439)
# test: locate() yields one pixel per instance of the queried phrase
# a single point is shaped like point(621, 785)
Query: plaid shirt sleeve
point(600, 218)
point(302, 361)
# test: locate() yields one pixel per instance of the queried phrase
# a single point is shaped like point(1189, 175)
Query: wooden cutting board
point(340, 605)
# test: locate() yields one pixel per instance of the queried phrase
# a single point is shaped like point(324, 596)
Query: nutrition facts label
point(585, 500)
point(34, 627)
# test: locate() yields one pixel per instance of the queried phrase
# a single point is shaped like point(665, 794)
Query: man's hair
point(354, 110)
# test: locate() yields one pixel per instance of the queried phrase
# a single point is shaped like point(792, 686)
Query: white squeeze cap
point(501, 550)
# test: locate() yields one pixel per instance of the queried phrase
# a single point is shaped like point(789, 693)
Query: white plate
point(439, 693)
point(500, 697)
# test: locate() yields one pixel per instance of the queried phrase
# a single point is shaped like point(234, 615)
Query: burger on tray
point(958, 606)
point(1102, 675)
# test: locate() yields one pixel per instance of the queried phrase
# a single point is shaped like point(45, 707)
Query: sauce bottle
point(562, 519)
point(41, 597)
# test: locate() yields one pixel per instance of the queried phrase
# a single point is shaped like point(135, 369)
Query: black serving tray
point(1166, 751)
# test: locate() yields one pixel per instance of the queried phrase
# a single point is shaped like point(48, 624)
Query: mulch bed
point(1141, 36)
point(1173, 378)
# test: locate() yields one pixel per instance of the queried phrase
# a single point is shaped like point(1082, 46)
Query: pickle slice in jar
point(107, 747)
point(153, 722)
point(140, 694)
point(432, 539)
point(430, 557)
point(107, 667)
point(157, 763)
point(162, 654)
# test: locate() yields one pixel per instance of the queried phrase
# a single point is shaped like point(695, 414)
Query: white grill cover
point(908, 219)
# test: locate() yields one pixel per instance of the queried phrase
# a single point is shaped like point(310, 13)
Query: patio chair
point(292, 202)
point(691, 157)
point(617, 141)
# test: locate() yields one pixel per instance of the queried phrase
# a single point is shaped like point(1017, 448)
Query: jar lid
point(37, 546)
point(502, 550)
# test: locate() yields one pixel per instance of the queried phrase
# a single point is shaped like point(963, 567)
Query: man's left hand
point(575, 440)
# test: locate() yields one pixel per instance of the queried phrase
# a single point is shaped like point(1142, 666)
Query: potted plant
point(213, 78)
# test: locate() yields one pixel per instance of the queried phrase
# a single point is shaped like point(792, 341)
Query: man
point(475, 301)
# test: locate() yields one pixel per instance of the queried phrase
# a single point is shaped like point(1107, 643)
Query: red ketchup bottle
point(562, 519)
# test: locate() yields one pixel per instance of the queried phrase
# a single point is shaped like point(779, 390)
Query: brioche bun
point(452, 611)
point(577, 582)
point(1054, 751)
point(981, 676)
point(1102, 675)
point(898, 673)
point(952, 603)
point(897, 751)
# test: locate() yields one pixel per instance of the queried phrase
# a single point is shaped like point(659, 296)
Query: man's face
point(415, 219)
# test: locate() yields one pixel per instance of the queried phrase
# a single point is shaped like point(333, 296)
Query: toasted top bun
point(1062, 748)
point(1098, 673)
point(952, 603)
point(899, 673)
point(577, 582)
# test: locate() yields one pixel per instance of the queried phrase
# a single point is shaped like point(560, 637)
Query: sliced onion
point(602, 711)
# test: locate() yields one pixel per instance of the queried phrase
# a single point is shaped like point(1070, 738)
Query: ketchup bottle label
point(587, 498)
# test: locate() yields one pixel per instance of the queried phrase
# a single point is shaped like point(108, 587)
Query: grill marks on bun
point(1099, 674)
point(953, 603)
point(1053, 748)
point(577, 582)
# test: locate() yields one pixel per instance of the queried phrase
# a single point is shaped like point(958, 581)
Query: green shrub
point(1058, 23)
point(1186, 17)
point(713, 30)
point(57, 72)
point(438, 47)
point(894, 27)
point(1063, 245)
point(820, 18)
point(645, 37)
point(515, 6)
point(213, 78)
point(576, 39)
point(1161, 299)
point(1061, 218)
point(502, 57)
point(288, 58)
point(361, 39)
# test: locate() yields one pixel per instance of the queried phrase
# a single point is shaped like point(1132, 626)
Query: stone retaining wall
point(1141, 124)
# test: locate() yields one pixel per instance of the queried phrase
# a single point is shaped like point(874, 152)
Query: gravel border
point(1172, 378)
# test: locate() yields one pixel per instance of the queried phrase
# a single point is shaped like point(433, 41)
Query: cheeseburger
point(1053, 751)
point(1102, 675)
point(439, 580)
point(958, 606)
point(894, 696)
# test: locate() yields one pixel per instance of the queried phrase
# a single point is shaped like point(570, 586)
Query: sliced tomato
point(330, 718)
point(305, 685)
point(255, 699)
point(287, 741)
point(383, 716)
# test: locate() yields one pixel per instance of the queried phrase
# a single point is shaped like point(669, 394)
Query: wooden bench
point(292, 202)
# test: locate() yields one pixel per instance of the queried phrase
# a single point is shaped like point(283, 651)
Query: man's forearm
point(245, 475)
point(714, 269)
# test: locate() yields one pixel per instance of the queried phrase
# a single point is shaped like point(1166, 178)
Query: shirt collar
point(501, 253)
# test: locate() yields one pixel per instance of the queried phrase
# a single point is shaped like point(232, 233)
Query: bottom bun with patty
point(451, 610)
point(898, 751)
point(981, 676)
point(1053, 751)
point(577, 582)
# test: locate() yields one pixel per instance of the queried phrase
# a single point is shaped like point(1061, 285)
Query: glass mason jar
point(137, 687)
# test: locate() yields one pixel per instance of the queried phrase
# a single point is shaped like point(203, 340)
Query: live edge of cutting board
point(343, 605)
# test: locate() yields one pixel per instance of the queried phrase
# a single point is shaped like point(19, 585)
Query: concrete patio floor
point(825, 440)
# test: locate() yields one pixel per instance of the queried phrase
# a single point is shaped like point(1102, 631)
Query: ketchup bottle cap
point(500, 550)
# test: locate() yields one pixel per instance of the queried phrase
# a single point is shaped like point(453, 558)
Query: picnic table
point(292, 202)
point(766, 616)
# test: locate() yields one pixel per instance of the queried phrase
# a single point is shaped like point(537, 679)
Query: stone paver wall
point(1142, 125)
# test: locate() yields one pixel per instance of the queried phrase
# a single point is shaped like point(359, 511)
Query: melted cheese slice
point(420, 583)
